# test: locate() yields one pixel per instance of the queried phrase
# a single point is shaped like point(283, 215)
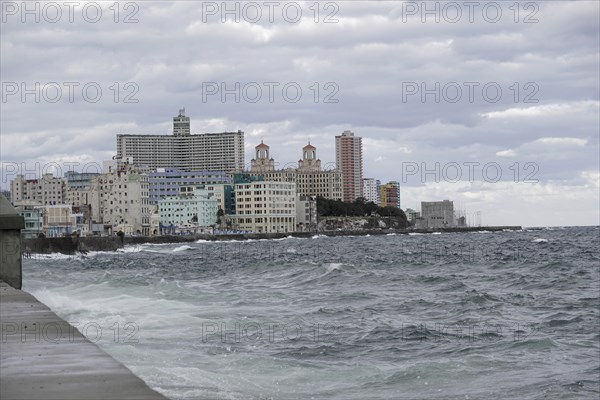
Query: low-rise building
point(412, 215)
point(165, 182)
point(193, 208)
point(225, 196)
point(437, 214)
point(306, 213)
point(60, 220)
point(33, 215)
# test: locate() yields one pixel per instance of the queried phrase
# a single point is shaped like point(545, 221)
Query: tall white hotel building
point(184, 151)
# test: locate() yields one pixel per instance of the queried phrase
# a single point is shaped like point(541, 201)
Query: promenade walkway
point(37, 364)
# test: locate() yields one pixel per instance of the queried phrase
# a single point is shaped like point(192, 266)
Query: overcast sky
point(517, 91)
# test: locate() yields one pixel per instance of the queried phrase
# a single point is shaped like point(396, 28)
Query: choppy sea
point(513, 314)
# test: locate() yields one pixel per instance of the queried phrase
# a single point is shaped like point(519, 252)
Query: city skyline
point(386, 72)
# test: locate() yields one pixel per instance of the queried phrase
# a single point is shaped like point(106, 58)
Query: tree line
point(358, 208)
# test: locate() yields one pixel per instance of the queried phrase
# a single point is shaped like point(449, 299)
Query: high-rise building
point(371, 190)
point(348, 156)
point(181, 124)
point(310, 179)
point(390, 195)
point(182, 150)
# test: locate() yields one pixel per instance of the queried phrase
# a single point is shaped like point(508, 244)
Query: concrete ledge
point(70, 367)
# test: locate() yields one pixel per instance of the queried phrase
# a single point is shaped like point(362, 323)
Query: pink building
point(348, 155)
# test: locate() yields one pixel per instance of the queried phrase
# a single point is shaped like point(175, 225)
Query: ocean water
point(448, 316)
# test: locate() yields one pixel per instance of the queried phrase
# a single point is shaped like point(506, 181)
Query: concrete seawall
point(68, 245)
point(43, 357)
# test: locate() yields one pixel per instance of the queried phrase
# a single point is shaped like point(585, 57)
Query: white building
point(372, 190)
point(32, 213)
point(182, 150)
point(266, 206)
point(193, 208)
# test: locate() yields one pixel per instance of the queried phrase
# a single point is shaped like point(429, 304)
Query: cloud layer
point(522, 97)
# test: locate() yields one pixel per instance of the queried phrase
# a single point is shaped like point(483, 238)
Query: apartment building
point(372, 190)
point(193, 207)
point(123, 201)
point(47, 190)
point(390, 194)
point(164, 182)
point(183, 150)
point(265, 206)
point(224, 194)
point(348, 157)
point(60, 220)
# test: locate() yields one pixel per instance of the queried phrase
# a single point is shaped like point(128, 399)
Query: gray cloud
point(372, 50)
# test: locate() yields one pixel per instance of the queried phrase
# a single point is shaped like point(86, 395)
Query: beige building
point(123, 201)
point(47, 190)
point(60, 220)
point(265, 206)
point(309, 178)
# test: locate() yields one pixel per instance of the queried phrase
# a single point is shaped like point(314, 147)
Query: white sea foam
point(182, 248)
point(329, 268)
point(131, 249)
point(53, 256)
